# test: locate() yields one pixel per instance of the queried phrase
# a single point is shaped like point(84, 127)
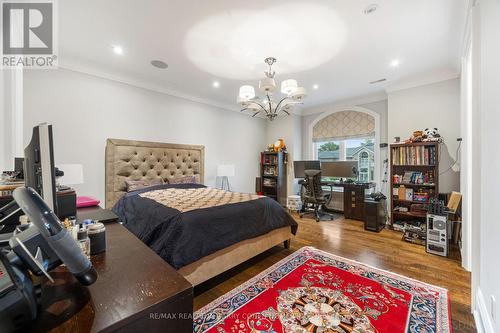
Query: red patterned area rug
point(315, 291)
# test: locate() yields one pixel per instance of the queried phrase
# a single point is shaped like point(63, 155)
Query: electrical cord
point(457, 158)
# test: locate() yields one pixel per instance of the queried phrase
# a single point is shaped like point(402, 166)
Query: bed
point(200, 231)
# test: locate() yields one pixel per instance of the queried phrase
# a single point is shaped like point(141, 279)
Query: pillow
point(184, 180)
point(134, 185)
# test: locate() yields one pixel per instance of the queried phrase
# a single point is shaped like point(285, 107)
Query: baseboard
point(481, 315)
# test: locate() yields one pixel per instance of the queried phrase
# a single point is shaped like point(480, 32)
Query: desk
point(354, 197)
point(136, 291)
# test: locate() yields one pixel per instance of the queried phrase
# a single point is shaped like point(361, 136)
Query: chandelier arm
point(261, 106)
point(269, 103)
point(256, 113)
point(279, 103)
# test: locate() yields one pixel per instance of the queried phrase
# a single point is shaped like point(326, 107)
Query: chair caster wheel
point(301, 215)
point(331, 218)
point(317, 220)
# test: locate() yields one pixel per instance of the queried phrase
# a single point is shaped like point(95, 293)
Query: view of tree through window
point(361, 150)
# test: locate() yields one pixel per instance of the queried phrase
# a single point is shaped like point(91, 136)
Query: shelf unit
point(418, 158)
point(273, 175)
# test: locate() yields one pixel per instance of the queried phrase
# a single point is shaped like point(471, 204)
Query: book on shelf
point(414, 155)
point(415, 177)
point(270, 170)
point(269, 159)
point(269, 182)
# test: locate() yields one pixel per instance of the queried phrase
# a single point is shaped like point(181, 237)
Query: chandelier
point(267, 105)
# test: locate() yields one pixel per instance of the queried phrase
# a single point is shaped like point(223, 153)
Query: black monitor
point(19, 167)
point(39, 170)
point(300, 166)
point(18, 164)
point(339, 169)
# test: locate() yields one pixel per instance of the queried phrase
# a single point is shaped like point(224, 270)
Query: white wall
point(86, 110)
point(288, 128)
point(11, 117)
point(433, 105)
point(5, 155)
point(489, 101)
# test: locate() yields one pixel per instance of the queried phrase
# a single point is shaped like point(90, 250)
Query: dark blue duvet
point(182, 238)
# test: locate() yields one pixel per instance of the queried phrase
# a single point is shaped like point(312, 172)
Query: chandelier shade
point(288, 87)
point(299, 94)
point(268, 105)
point(247, 92)
point(267, 85)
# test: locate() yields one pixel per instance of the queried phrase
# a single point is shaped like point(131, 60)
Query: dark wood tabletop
point(136, 290)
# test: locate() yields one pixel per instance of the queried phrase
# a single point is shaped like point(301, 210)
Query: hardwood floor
point(348, 238)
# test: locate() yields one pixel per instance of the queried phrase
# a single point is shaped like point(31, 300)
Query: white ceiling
point(329, 43)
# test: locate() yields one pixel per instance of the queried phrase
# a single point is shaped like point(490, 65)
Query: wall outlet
point(493, 308)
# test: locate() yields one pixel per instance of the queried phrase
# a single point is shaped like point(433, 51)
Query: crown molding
point(144, 85)
point(350, 102)
point(435, 78)
point(156, 88)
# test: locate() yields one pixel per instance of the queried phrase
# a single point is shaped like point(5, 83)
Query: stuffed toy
point(432, 135)
point(417, 136)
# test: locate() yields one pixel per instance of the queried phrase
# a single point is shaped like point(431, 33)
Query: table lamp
point(224, 171)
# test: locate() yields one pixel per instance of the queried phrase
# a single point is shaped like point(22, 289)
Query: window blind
point(344, 125)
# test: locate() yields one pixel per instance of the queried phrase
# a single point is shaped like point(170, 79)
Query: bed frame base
point(225, 259)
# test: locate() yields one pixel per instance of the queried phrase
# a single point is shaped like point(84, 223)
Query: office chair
point(312, 194)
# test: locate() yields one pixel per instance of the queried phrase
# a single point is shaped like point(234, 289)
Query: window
point(360, 149)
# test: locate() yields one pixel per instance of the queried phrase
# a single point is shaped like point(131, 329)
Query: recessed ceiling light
point(159, 64)
point(395, 63)
point(370, 9)
point(216, 84)
point(315, 87)
point(117, 49)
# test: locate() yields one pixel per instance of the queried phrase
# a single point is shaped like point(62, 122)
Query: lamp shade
point(247, 92)
point(73, 174)
point(288, 87)
point(225, 170)
point(299, 94)
point(242, 101)
point(268, 84)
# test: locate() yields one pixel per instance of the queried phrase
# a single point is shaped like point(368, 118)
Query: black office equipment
point(36, 249)
point(300, 166)
point(19, 167)
point(375, 212)
point(39, 169)
point(340, 169)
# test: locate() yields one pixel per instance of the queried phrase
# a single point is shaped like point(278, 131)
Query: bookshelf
point(273, 175)
point(414, 180)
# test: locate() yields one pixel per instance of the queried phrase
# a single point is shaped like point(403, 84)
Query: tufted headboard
point(142, 160)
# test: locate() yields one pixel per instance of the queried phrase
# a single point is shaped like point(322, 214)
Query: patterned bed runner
point(189, 199)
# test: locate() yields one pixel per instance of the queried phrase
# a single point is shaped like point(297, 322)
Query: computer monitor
point(18, 164)
point(19, 167)
point(300, 166)
point(39, 170)
point(340, 169)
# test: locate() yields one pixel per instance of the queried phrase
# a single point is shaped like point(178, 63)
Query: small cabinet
point(354, 202)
